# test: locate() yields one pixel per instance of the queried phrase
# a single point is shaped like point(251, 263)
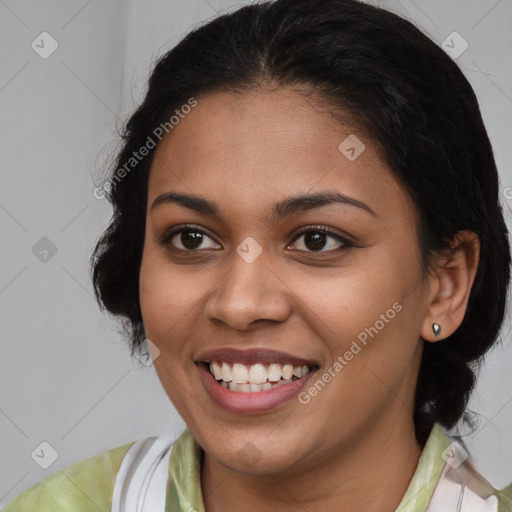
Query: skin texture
point(352, 447)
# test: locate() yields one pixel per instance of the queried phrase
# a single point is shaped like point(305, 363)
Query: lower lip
point(253, 402)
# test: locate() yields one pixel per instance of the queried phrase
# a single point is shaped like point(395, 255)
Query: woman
point(307, 239)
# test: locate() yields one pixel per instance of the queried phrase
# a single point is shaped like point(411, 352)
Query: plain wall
point(66, 374)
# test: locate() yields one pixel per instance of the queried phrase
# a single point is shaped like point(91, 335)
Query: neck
point(371, 472)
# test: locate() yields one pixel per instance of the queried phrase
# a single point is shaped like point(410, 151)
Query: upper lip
point(252, 356)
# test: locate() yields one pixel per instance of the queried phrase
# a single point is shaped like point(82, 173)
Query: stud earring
point(436, 328)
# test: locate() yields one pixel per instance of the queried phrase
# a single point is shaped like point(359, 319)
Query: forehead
point(248, 150)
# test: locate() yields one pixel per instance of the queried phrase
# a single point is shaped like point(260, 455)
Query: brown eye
point(189, 239)
point(316, 240)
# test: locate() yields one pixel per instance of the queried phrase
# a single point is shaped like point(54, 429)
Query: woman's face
point(243, 285)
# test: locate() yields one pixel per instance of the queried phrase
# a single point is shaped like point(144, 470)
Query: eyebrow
point(287, 207)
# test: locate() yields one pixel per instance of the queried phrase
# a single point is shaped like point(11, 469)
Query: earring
point(436, 328)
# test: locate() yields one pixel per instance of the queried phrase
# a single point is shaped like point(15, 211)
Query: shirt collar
point(428, 471)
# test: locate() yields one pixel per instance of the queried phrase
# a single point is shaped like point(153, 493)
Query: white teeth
point(247, 388)
point(226, 373)
point(215, 368)
point(282, 383)
point(287, 371)
point(274, 372)
point(257, 374)
point(256, 377)
point(240, 373)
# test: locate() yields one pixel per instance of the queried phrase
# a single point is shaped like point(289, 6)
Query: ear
point(450, 285)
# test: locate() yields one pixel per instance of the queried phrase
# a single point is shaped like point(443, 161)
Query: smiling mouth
point(257, 377)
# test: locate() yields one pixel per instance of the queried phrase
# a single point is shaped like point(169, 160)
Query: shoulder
point(448, 479)
point(463, 488)
point(85, 485)
point(505, 499)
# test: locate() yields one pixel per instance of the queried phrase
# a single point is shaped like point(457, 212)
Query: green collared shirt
point(89, 484)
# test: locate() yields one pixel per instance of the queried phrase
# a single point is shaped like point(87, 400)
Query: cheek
point(372, 343)
point(366, 316)
point(167, 296)
point(352, 299)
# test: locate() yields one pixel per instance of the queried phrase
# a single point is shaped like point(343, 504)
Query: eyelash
point(346, 243)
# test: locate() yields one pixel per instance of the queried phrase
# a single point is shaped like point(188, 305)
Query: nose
point(249, 293)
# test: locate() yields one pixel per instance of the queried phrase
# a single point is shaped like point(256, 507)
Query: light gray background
point(66, 376)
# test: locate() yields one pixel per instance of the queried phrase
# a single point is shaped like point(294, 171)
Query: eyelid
point(324, 229)
point(168, 235)
point(345, 240)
